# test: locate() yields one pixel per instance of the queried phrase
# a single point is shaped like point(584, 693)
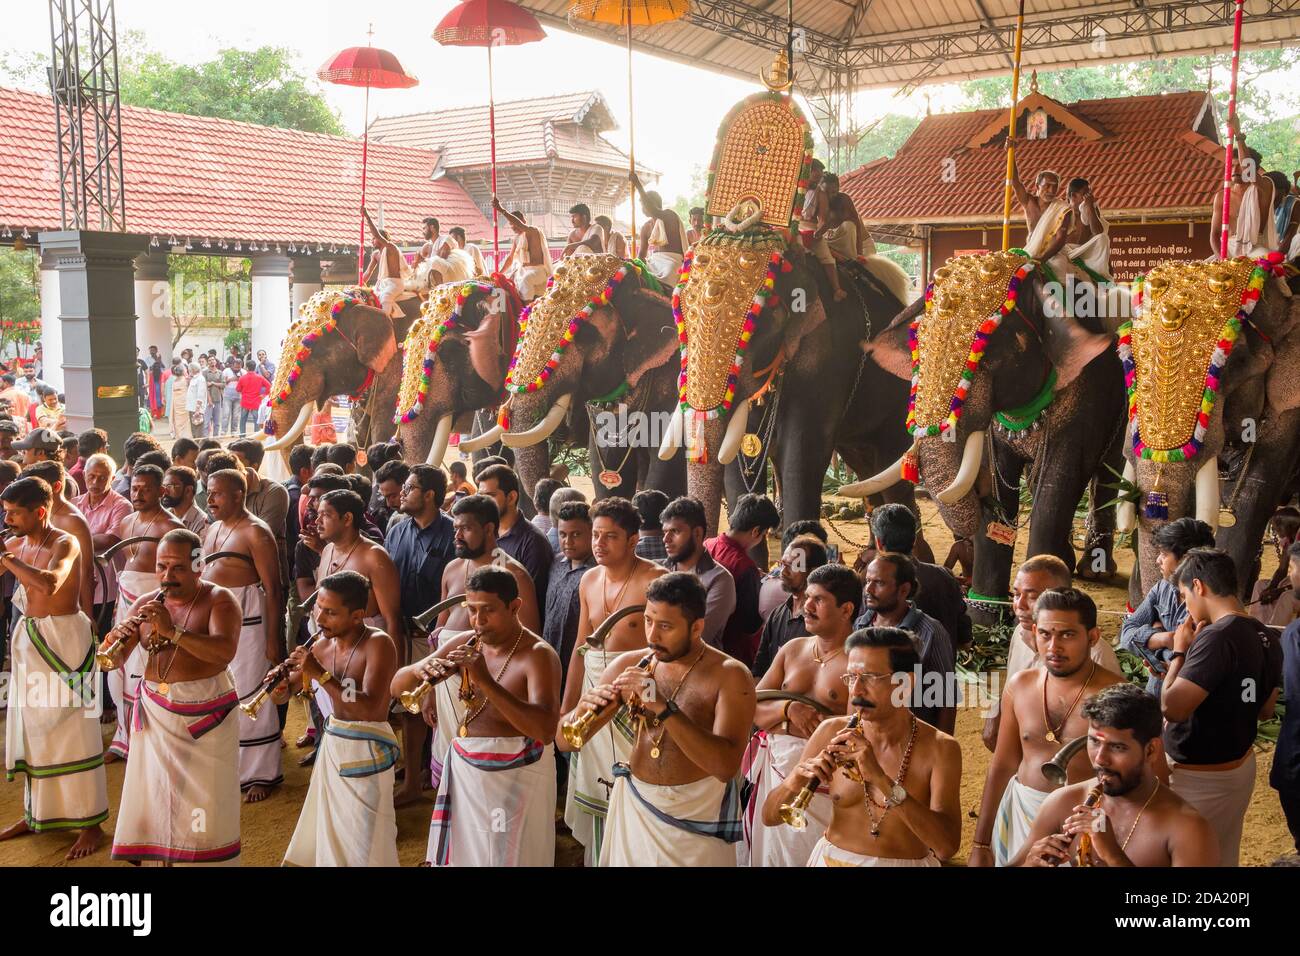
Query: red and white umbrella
point(489, 23)
point(366, 66)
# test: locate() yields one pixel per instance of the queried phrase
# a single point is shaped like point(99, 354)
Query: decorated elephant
point(1212, 358)
point(342, 344)
point(455, 359)
point(595, 349)
point(772, 369)
point(1004, 381)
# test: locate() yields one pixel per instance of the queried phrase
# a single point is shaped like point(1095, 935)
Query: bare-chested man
point(1252, 228)
point(476, 519)
point(619, 580)
point(529, 264)
point(65, 516)
point(895, 780)
point(813, 666)
point(52, 721)
point(386, 272)
point(1139, 821)
point(184, 716)
point(699, 225)
point(816, 204)
point(1044, 200)
point(1040, 712)
point(250, 569)
point(139, 576)
point(348, 817)
point(496, 800)
point(338, 523)
point(585, 238)
point(677, 801)
point(663, 241)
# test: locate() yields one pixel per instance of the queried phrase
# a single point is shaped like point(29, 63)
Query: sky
point(678, 107)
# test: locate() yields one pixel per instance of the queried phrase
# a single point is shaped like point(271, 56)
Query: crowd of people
point(679, 700)
point(205, 396)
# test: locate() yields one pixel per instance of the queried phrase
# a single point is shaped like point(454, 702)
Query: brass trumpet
point(575, 731)
point(293, 617)
point(413, 700)
point(1055, 769)
point(1084, 855)
point(107, 657)
point(792, 813)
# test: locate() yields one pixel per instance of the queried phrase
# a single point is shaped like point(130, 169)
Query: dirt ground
point(266, 827)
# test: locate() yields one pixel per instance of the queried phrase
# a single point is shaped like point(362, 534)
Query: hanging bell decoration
point(1156, 506)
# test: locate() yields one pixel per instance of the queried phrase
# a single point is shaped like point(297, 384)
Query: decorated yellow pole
point(1011, 131)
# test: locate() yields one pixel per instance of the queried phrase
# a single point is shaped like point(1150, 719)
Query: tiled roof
point(200, 176)
point(1140, 154)
point(565, 127)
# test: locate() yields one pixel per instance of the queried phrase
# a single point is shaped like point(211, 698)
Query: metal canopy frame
point(83, 82)
point(829, 67)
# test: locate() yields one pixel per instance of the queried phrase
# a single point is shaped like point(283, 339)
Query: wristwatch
point(1176, 654)
point(896, 796)
point(670, 708)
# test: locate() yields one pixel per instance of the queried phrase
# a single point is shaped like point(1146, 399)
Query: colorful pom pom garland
point(978, 344)
point(323, 309)
point(765, 294)
point(1227, 338)
point(450, 322)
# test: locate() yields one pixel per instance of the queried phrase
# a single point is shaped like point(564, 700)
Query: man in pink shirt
point(252, 389)
point(103, 508)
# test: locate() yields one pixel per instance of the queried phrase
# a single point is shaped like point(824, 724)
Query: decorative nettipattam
point(317, 316)
point(761, 161)
point(439, 314)
point(579, 286)
point(1187, 318)
point(964, 305)
point(726, 281)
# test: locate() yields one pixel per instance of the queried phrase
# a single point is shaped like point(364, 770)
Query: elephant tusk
point(971, 457)
point(1207, 493)
point(543, 429)
point(294, 433)
point(878, 483)
point(479, 442)
point(1126, 511)
point(672, 440)
point(730, 447)
point(441, 435)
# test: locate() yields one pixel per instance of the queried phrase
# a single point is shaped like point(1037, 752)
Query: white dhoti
point(1278, 614)
point(180, 799)
point(826, 853)
point(690, 824)
point(124, 681)
point(771, 757)
point(52, 730)
point(1016, 813)
point(588, 801)
point(664, 264)
point(495, 805)
point(348, 817)
point(1222, 797)
point(388, 291)
point(450, 710)
point(530, 280)
point(259, 737)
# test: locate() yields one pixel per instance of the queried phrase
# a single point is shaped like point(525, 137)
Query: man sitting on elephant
point(529, 264)
point(387, 271)
point(585, 239)
point(1070, 234)
point(663, 237)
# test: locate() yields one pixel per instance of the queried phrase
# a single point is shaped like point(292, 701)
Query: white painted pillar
point(51, 324)
point(272, 302)
point(306, 282)
point(153, 306)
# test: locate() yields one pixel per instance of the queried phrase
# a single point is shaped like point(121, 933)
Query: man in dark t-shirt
point(1223, 678)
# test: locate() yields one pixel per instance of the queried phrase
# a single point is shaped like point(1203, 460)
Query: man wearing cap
point(44, 444)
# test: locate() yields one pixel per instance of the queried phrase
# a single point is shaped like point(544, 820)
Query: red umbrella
point(366, 66)
point(489, 23)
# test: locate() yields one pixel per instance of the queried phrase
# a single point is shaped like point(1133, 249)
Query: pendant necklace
point(1054, 733)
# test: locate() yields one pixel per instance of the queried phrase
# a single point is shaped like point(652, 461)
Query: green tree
point(699, 186)
point(20, 299)
point(883, 138)
point(260, 86)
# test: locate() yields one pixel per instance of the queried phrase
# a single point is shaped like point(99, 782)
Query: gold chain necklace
point(336, 565)
point(1124, 846)
point(822, 661)
point(163, 686)
point(898, 782)
point(1053, 733)
point(656, 741)
point(464, 724)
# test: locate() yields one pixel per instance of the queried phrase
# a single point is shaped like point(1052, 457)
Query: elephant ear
point(796, 327)
point(488, 342)
point(370, 333)
point(651, 333)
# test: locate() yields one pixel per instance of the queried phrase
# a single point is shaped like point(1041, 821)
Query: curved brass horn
point(1055, 769)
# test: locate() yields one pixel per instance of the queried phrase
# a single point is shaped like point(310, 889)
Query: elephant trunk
point(704, 479)
point(941, 462)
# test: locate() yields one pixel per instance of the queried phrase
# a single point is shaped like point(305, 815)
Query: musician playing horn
point(815, 667)
point(1139, 821)
point(496, 798)
point(182, 718)
point(1040, 710)
point(348, 817)
point(619, 580)
point(677, 802)
point(894, 781)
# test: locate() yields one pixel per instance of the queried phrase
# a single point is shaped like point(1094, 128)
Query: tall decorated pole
point(1011, 131)
point(1230, 144)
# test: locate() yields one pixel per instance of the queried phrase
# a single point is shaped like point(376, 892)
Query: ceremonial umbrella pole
point(1231, 143)
point(489, 23)
point(629, 13)
point(366, 66)
point(1011, 131)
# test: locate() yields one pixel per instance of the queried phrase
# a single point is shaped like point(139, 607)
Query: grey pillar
point(97, 315)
